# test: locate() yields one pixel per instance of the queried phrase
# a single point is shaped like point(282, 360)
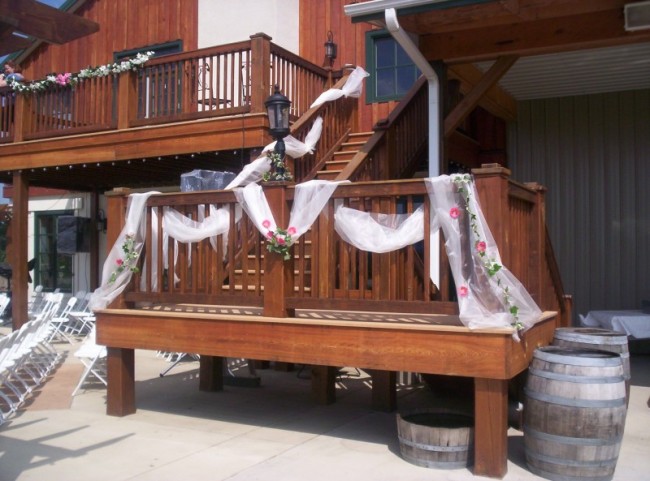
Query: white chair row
point(26, 360)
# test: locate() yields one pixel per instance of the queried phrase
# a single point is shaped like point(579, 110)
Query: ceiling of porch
point(138, 173)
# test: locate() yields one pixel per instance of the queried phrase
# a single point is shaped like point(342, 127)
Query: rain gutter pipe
point(433, 83)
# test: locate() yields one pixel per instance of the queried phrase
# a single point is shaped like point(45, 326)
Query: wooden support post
point(384, 394)
point(18, 251)
point(211, 373)
point(120, 396)
point(491, 427)
point(127, 99)
point(116, 201)
point(260, 68)
point(492, 190)
point(323, 388)
point(278, 272)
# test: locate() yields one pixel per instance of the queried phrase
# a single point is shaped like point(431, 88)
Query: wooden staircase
point(341, 158)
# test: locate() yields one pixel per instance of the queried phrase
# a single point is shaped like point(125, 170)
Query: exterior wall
point(225, 21)
point(319, 17)
point(80, 205)
point(593, 155)
point(124, 25)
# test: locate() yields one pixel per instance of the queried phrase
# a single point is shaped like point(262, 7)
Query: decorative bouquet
point(280, 240)
point(129, 260)
point(278, 170)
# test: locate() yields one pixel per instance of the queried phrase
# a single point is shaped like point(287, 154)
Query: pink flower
point(63, 79)
point(269, 234)
point(266, 223)
point(119, 262)
point(480, 247)
point(280, 240)
point(291, 231)
point(454, 212)
point(463, 291)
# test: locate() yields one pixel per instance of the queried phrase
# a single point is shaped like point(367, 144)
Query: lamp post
point(277, 107)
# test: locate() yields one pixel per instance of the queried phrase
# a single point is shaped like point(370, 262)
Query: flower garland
point(279, 170)
point(72, 79)
point(279, 241)
point(130, 258)
point(492, 267)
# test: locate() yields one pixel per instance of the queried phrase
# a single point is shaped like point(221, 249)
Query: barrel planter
point(436, 438)
point(599, 339)
point(574, 413)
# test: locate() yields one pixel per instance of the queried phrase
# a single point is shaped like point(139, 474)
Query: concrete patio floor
point(272, 432)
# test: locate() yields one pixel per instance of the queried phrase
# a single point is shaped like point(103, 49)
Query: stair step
point(328, 174)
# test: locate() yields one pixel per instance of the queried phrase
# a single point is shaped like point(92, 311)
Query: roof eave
point(373, 10)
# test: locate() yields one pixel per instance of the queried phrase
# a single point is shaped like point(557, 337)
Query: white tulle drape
point(309, 199)
point(484, 300)
point(351, 88)
point(379, 233)
point(133, 227)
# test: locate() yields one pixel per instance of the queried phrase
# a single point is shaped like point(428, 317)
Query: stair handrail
point(370, 157)
point(335, 131)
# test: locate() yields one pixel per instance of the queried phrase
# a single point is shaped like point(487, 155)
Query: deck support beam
point(211, 373)
point(120, 397)
point(491, 427)
point(384, 395)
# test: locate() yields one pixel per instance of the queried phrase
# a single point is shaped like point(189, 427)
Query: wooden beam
point(471, 100)
point(19, 244)
point(496, 100)
point(600, 29)
point(44, 22)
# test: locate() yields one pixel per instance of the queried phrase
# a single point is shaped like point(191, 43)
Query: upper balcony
point(208, 100)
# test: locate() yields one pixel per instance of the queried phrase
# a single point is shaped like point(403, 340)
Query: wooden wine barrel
point(599, 339)
point(436, 438)
point(574, 413)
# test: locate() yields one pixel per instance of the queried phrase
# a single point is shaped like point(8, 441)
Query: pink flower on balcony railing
point(454, 212)
point(480, 247)
point(291, 231)
point(63, 78)
point(266, 223)
point(119, 262)
point(463, 291)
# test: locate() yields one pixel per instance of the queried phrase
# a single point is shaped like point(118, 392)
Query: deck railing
point(212, 82)
point(326, 272)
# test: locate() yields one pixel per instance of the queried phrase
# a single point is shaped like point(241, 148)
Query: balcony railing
point(218, 81)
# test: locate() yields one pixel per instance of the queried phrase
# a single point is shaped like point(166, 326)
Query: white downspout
point(433, 83)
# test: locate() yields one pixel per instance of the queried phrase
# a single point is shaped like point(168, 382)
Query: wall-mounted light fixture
point(330, 47)
point(101, 221)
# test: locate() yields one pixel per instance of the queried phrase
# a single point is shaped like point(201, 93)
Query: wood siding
point(593, 154)
point(325, 15)
point(124, 25)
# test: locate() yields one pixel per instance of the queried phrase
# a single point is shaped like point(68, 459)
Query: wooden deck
point(382, 343)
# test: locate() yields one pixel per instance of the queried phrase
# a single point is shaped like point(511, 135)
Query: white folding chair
point(93, 357)
point(61, 324)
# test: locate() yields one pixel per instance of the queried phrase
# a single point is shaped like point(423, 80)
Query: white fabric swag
point(135, 228)
point(309, 199)
point(351, 88)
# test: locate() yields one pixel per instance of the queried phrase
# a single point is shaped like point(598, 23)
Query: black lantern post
point(277, 106)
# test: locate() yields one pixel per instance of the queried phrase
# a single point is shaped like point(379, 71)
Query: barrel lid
point(577, 357)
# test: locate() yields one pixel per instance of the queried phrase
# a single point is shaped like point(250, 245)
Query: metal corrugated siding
point(583, 72)
point(593, 154)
